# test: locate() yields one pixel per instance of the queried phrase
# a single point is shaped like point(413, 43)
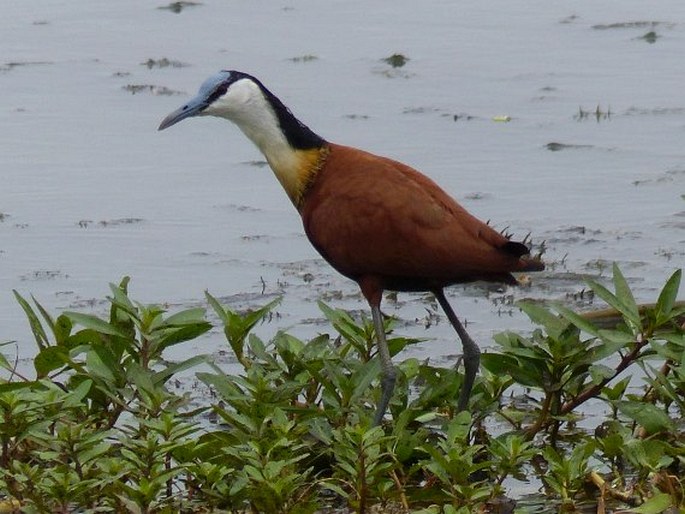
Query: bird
point(377, 221)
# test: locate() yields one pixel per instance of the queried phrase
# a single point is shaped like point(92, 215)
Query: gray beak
point(192, 108)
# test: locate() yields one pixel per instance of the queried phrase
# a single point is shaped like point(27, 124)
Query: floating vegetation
point(177, 7)
point(257, 163)
point(668, 176)
point(256, 237)
point(598, 114)
point(569, 19)
point(149, 88)
point(670, 253)
point(120, 221)
point(43, 275)
point(3, 216)
point(16, 64)
point(461, 116)
point(557, 147)
point(419, 110)
point(650, 37)
point(656, 111)
point(396, 60)
point(356, 116)
point(163, 63)
point(110, 223)
point(239, 208)
point(635, 25)
point(477, 196)
point(304, 58)
point(579, 229)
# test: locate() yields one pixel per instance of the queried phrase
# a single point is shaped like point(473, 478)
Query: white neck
point(245, 105)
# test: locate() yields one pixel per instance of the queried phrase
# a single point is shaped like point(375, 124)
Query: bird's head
point(223, 94)
point(243, 99)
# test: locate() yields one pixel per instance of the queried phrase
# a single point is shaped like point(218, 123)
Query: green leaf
point(36, 327)
point(617, 390)
point(345, 326)
point(77, 395)
point(102, 364)
point(657, 504)
point(542, 316)
point(46, 316)
point(254, 317)
point(630, 315)
point(237, 327)
point(13, 386)
point(141, 377)
point(519, 369)
point(577, 319)
point(651, 418)
point(182, 334)
point(120, 296)
point(95, 323)
point(600, 352)
point(50, 359)
point(186, 317)
point(4, 363)
point(62, 329)
point(625, 295)
point(619, 337)
point(363, 377)
point(177, 367)
point(600, 372)
point(220, 382)
point(669, 293)
point(218, 309)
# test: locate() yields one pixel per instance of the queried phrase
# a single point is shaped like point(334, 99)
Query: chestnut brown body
point(384, 224)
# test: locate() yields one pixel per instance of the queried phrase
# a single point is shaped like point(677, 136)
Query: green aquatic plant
point(103, 427)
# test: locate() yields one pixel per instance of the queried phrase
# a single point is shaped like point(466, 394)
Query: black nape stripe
point(218, 92)
point(299, 135)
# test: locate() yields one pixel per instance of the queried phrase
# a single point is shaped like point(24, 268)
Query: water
point(592, 161)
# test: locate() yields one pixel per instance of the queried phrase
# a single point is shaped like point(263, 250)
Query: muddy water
point(591, 161)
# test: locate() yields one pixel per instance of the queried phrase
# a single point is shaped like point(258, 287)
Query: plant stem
point(595, 389)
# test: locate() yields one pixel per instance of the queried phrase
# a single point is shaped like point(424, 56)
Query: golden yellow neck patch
point(297, 172)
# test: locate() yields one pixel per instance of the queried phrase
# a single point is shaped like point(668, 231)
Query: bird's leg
point(471, 351)
point(389, 373)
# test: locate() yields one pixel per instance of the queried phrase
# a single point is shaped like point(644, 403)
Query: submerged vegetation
point(102, 427)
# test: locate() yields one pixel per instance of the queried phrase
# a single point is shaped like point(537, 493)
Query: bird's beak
point(192, 108)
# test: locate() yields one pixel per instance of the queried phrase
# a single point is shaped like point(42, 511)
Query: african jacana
point(377, 221)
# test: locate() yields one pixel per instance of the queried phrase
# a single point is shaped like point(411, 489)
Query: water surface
point(592, 160)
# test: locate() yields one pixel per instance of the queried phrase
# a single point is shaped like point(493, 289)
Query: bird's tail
point(526, 261)
point(531, 263)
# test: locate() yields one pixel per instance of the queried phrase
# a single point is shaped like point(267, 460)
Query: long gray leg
point(471, 351)
point(389, 373)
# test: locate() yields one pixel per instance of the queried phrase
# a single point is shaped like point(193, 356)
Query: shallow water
point(592, 160)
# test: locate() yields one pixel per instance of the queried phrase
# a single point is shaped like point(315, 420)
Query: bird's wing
point(371, 215)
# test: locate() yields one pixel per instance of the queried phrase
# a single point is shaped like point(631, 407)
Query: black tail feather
point(515, 248)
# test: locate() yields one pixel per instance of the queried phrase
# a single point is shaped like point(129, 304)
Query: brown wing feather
point(369, 215)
